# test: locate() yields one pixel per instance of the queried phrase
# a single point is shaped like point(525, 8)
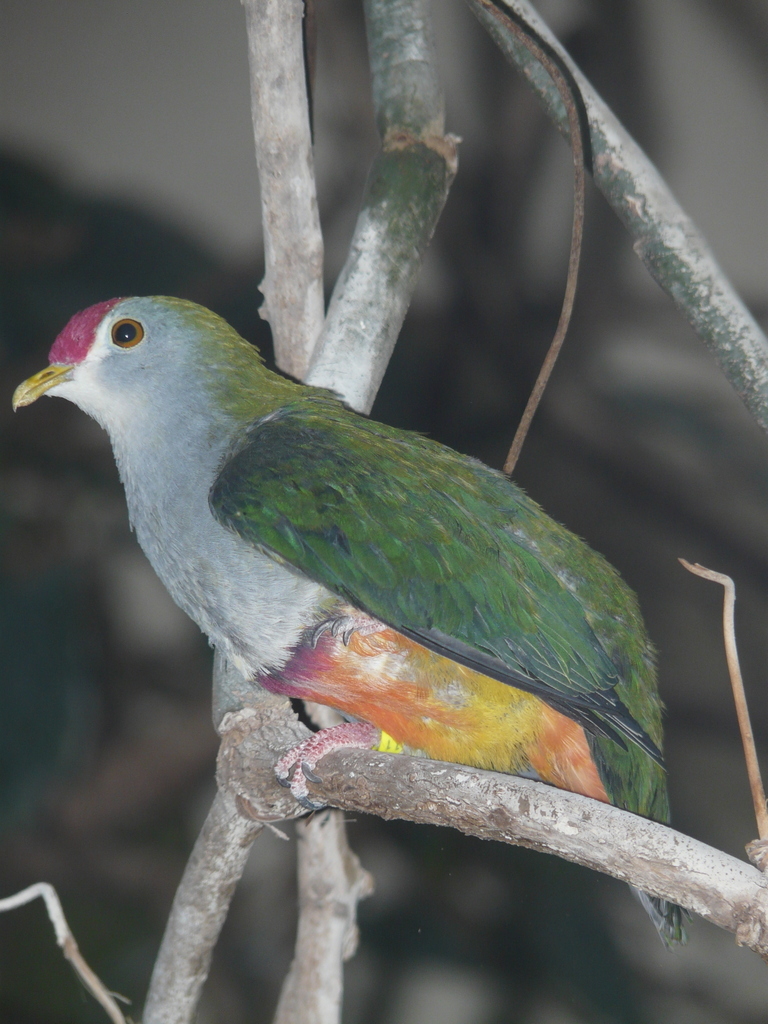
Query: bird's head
point(157, 355)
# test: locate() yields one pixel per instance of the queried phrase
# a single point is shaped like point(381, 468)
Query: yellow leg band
point(387, 745)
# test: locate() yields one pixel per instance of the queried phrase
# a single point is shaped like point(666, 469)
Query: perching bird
point(415, 590)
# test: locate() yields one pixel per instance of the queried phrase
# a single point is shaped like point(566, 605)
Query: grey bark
point(198, 912)
point(405, 194)
point(331, 881)
point(653, 857)
point(293, 245)
point(293, 304)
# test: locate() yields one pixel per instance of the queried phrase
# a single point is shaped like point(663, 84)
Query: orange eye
point(127, 333)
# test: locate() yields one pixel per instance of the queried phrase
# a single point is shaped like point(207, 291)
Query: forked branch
point(404, 197)
point(664, 236)
point(405, 194)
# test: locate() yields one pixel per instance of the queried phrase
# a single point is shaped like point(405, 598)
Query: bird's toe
point(307, 755)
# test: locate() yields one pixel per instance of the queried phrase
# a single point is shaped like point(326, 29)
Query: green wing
point(447, 551)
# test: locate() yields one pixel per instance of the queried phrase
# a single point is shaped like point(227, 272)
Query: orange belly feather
point(438, 708)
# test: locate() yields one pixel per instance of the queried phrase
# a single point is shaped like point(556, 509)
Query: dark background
point(126, 167)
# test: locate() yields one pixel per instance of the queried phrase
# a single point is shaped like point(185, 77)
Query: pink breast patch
point(75, 340)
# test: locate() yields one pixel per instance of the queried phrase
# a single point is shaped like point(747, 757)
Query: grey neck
point(250, 607)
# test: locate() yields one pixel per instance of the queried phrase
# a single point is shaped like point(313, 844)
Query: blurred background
point(126, 167)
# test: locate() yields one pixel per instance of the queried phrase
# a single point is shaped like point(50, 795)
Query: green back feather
point(446, 549)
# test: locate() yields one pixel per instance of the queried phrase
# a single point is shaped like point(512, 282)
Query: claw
point(283, 780)
point(345, 626)
point(310, 804)
point(318, 632)
point(309, 774)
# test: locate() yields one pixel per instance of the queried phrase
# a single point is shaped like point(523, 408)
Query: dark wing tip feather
point(668, 917)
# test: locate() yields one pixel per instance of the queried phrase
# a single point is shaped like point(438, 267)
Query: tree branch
point(666, 239)
point(293, 244)
point(331, 881)
point(728, 892)
point(198, 912)
point(405, 194)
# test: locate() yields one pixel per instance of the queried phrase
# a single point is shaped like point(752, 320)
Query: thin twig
point(739, 696)
point(66, 941)
point(566, 89)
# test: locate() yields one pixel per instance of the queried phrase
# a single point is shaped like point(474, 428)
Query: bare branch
point(253, 739)
point(758, 851)
point(653, 857)
point(199, 909)
point(293, 244)
point(294, 306)
point(331, 881)
point(293, 303)
point(66, 940)
point(665, 238)
point(405, 194)
point(406, 191)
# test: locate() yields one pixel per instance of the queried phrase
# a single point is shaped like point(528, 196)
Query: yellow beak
point(31, 389)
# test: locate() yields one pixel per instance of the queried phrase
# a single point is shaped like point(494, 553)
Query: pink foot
point(307, 754)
